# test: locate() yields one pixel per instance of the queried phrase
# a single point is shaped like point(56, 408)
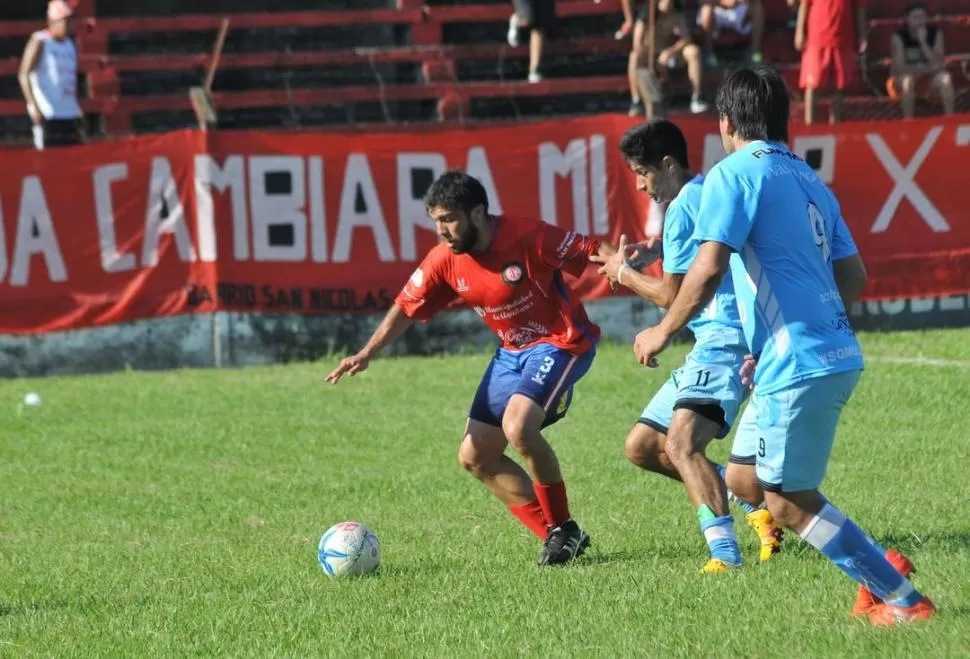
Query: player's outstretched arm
point(392, 327)
point(850, 277)
point(660, 291)
point(622, 267)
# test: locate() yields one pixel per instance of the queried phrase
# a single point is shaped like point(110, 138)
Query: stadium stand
point(349, 65)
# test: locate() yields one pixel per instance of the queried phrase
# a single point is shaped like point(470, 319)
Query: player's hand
point(35, 116)
point(650, 343)
point(664, 57)
point(352, 365)
point(610, 265)
point(799, 41)
point(747, 371)
point(645, 253)
point(863, 46)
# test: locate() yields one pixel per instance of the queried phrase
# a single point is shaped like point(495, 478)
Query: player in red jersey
point(510, 271)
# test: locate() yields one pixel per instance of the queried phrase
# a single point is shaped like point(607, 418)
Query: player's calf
point(743, 489)
point(522, 423)
point(481, 454)
point(827, 529)
point(689, 434)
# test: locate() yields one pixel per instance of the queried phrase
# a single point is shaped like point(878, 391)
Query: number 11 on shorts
point(703, 377)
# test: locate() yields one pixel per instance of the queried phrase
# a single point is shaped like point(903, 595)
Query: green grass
point(172, 514)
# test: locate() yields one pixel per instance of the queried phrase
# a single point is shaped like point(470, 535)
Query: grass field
point(177, 513)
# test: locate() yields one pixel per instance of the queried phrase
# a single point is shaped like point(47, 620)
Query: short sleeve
point(678, 240)
point(727, 209)
point(427, 292)
point(564, 250)
point(843, 246)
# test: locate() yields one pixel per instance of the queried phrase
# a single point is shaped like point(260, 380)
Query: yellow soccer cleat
point(717, 565)
point(768, 532)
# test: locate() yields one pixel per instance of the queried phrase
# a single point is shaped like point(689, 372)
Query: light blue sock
point(836, 536)
point(882, 550)
point(719, 533)
point(741, 503)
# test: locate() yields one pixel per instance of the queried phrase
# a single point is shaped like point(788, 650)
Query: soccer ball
point(349, 549)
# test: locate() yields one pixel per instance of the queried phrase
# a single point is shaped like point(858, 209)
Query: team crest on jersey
point(513, 273)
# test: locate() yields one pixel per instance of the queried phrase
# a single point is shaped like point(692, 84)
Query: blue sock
point(741, 503)
point(882, 550)
point(719, 533)
point(836, 536)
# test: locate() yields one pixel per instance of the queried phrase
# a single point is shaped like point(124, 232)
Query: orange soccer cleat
point(889, 615)
point(865, 600)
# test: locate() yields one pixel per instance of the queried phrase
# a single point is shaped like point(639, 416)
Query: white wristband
point(619, 273)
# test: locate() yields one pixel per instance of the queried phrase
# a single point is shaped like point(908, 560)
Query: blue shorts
point(543, 373)
point(788, 434)
point(711, 375)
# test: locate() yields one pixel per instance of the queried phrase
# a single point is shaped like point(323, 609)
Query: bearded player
point(510, 271)
point(701, 399)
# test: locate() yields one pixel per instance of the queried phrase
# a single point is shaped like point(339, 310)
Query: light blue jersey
point(711, 373)
point(679, 250)
point(770, 207)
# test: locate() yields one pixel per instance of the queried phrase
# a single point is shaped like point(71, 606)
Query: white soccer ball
point(349, 549)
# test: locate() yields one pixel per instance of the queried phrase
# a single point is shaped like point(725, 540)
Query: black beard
point(468, 242)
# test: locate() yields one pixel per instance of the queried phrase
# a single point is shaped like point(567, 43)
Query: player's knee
point(945, 80)
point(679, 446)
point(472, 459)
point(743, 481)
point(643, 446)
point(907, 83)
point(691, 52)
point(519, 432)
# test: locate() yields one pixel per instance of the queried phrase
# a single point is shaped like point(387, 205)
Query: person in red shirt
point(510, 271)
point(831, 34)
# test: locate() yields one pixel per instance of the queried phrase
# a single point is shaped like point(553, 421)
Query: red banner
point(321, 223)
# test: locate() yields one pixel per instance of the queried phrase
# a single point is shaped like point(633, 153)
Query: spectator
point(918, 62)
point(831, 35)
point(746, 17)
point(673, 47)
point(538, 18)
point(48, 79)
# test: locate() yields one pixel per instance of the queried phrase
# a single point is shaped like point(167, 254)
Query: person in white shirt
point(48, 79)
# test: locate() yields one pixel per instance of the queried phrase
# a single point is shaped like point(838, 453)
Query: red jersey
point(516, 285)
point(831, 23)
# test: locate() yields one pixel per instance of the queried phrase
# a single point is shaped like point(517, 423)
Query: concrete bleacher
point(295, 63)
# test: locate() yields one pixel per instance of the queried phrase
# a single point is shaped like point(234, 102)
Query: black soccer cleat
point(565, 543)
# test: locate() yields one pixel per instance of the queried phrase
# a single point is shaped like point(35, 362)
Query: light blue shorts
point(710, 376)
point(788, 434)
